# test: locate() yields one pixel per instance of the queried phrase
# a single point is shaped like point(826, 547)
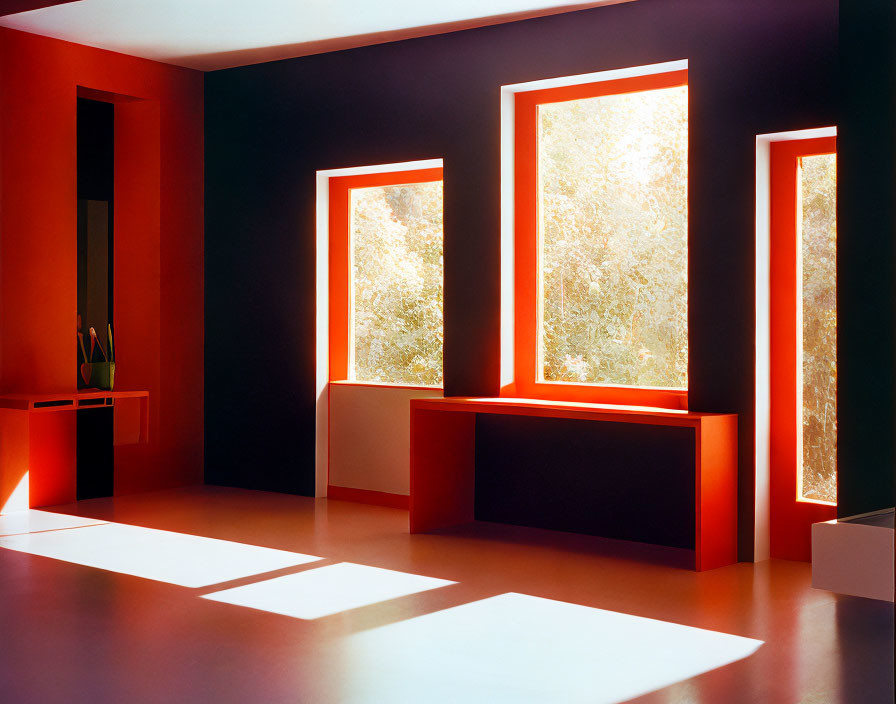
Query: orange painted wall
point(158, 239)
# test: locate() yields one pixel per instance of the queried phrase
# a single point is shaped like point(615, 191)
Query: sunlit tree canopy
point(396, 235)
point(613, 184)
point(818, 200)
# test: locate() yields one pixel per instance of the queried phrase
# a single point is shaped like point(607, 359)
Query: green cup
point(99, 375)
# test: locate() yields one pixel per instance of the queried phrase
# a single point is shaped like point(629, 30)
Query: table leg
point(144, 420)
point(442, 469)
point(716, 539)
point(52, 458)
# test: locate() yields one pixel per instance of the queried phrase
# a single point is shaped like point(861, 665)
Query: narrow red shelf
point(567, 409)
point(41, 444)
point(65, 401)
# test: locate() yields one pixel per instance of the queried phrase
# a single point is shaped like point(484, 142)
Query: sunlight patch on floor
point(328, 590)
point(18, 500)
point(164, 556)
point(34, 521)
point(517, 648)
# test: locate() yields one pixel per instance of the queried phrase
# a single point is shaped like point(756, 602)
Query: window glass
point(818, 363)
point(396, 289)
point(612, 180)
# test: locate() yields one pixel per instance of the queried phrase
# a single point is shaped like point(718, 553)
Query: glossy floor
point(220, 595)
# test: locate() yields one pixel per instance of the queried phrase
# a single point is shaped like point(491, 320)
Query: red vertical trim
point(137, 273)
point(340, 263)
point(790, 520)
point(526, 234)
point(525, 266)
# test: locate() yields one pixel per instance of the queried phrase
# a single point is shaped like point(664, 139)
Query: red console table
point(443, 462)
point(38, 439)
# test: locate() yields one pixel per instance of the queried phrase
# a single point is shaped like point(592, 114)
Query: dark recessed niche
point(96, 145)
point(96, 172)
point(95, 454)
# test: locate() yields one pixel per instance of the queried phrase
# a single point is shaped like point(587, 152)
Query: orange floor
point(303, 600)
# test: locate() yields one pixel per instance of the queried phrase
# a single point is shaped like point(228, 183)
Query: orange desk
point(443, 462)
point(37, 439)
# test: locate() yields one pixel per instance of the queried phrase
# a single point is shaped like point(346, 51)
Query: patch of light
point(172, 29)
point(18, 499)
point(33, 521)
point(518, 648)
point(164, 556)
point(327, 590)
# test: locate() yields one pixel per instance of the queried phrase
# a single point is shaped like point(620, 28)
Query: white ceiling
point(213, 34)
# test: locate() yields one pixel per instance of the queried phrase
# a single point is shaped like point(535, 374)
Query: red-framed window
point(385, 268)
point(803, 341)
point(600, 262)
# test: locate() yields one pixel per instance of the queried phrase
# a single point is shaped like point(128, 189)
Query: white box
point(855, 555)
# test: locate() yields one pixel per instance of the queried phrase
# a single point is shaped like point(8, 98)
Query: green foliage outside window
point(613, 283)
point(818, 198)
point(396, 235)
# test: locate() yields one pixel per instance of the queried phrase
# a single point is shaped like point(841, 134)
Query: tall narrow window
point(602, 229)
point(817, 478)
point(386, 278)
point(803, 342)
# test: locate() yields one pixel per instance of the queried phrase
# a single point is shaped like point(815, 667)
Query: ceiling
point(215, 34)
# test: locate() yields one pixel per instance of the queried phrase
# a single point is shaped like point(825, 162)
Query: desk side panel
point(716, 492)
point(14, 449)
point(52, 462)
point(442, 469)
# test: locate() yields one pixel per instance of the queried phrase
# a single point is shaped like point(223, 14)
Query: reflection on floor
point(144, 600)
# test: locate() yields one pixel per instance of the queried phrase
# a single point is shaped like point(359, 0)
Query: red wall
point(158, 239)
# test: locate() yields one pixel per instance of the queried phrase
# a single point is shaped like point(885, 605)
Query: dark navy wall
point(757, 67)
point(866, 257)
point(615, 480)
